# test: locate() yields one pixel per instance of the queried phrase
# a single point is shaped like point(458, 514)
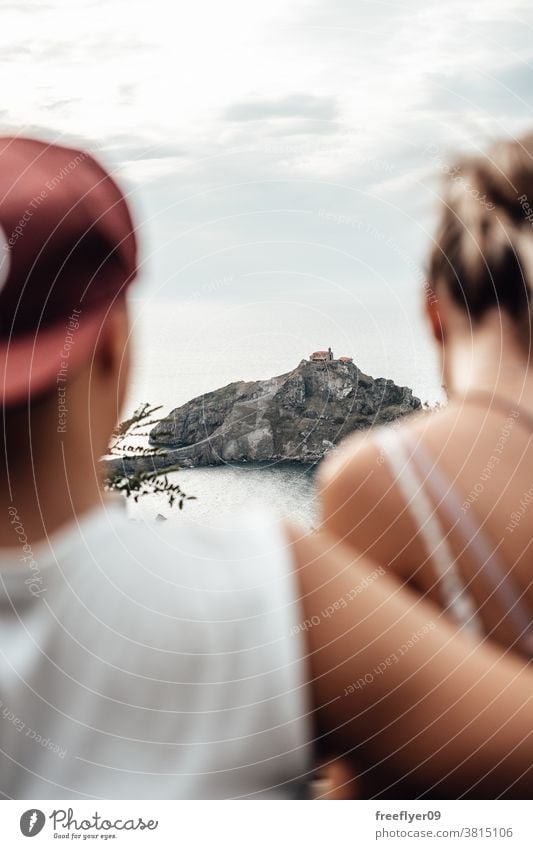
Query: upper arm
point(395, 683)
point(361, 505)
point(346, 482)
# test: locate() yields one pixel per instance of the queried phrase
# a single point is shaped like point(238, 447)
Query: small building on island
point(322, 356)
point(327, 357)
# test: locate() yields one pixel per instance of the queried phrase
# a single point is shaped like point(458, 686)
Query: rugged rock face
point(298, 416)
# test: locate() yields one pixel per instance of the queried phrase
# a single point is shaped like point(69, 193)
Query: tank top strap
point(455, 599)
point(483, 550)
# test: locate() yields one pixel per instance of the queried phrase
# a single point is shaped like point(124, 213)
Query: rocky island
point(296, 417)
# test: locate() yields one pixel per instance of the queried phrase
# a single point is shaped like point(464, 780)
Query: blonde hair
point(483, 249)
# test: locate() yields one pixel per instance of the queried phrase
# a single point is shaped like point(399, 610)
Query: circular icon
point(32, 822)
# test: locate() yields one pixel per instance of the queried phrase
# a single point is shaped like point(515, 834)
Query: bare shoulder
point(359, 458)
point(356, 459)
point(360, 502)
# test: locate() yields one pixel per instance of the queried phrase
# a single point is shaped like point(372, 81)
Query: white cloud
point(235, 122)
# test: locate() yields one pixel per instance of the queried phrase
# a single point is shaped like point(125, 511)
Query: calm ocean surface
point(182, 350)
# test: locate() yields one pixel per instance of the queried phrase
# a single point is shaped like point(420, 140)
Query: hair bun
point(484, 242)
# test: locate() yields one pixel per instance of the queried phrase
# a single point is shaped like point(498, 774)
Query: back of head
point(483, 251)
point(68, 253)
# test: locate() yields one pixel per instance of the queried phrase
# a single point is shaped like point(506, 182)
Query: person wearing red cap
point(138, 662)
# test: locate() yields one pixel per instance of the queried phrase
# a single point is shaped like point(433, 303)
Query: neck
point(489, 357)
point(48, 481)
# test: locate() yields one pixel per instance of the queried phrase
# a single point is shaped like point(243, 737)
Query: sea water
point(183, 349)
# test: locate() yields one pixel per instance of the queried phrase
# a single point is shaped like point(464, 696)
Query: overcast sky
point(279, 145)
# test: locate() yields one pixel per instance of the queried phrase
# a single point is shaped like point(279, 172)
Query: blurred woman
point(443, 499)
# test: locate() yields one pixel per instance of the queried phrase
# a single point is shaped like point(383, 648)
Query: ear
point(433, 313)
point(112, 344)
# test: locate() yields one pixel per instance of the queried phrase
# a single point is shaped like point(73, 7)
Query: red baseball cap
point(67, 252)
